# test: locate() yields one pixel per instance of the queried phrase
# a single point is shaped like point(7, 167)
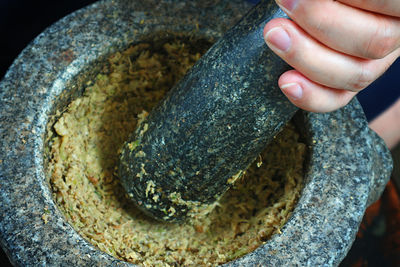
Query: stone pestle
point(210, 127)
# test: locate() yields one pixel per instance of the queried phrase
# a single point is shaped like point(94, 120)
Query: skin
point(387, 125)
point(337, 48)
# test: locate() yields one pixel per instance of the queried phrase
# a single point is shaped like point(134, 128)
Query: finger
point(311, 96)
point(386, 125)
point(344, 28)
point(388, 7)
point(319, 63)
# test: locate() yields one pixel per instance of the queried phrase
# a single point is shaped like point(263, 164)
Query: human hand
point(337, 48)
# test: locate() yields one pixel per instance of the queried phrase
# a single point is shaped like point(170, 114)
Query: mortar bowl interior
point(347, 168)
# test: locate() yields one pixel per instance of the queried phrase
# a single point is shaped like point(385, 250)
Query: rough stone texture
point(211, 126)
point(348, 166)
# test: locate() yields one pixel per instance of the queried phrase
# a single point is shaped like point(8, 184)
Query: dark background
point(22, 20)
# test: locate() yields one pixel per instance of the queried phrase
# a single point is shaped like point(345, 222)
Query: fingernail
point(278, 38)
point(289, 5)
point(292, 90)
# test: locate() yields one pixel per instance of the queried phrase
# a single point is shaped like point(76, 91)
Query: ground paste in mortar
point(84, 156)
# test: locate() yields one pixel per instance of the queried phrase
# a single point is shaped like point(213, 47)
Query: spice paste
point(84, 155)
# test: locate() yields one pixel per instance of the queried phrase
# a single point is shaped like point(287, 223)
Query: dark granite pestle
point(348, 167)
point(211, 125)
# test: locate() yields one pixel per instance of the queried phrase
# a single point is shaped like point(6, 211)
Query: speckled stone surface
point(211, 126)
point(347, 170)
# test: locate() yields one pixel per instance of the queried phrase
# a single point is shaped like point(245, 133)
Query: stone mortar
point(347, 169)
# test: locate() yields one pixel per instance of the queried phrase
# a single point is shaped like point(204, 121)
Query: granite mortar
point(347, 169)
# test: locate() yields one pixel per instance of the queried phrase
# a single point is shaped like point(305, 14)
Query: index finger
point(387, 7)
point(344, 28)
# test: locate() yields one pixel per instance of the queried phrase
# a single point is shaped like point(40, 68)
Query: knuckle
point(380, 47)
point(382, 43)
point(362, 79)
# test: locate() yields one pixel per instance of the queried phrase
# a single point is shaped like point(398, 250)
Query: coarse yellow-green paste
point(84, 156)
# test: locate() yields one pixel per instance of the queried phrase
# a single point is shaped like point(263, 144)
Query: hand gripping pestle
point(210, 126)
